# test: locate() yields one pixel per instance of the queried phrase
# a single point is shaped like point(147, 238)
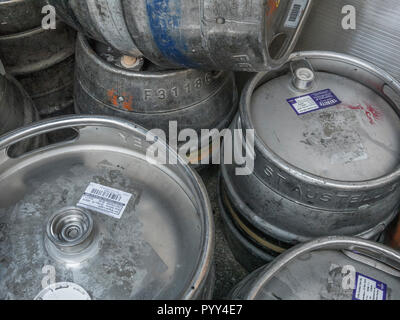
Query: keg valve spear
point(303, 75)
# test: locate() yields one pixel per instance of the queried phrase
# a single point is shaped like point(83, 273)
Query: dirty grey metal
point(152, 98)
point(20, 15)
point(375, 39)
point(161, 247)
point(228, 272)
point(237, 35)
point(52, 88)
point(36, 49)
point(16, 110)
point(43, 61)
point(318, 269)
point(245, 251)
point(333, 171)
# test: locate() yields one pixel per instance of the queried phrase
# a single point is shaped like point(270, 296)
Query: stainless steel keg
point(151, 97)
point(98, 219)
point(16, 110)
point(333, 268)
point(326, 153)
point(52, 88)
point(237, 35)
point(374, 37)
point(19, 16)
point(42, 60)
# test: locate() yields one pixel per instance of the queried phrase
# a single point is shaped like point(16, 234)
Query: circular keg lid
point(94, 214)
point(334, 268)
point(328, 119)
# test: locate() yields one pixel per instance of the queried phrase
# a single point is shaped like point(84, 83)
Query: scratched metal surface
point(376, 38)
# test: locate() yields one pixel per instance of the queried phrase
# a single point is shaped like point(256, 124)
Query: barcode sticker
point(295, 13)
point(106, 200)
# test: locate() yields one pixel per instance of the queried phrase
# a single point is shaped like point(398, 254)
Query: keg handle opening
point(76, 122)
point(390, 257)
point(373, 260)
point(283, 42)
point(70, 135)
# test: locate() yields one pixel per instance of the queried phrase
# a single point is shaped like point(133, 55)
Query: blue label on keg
point(314, 101)
point(367, 288)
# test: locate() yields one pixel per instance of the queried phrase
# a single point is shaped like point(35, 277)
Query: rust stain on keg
point(123, 101)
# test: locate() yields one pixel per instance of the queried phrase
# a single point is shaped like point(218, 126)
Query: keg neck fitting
point(303, 79)
point(70, 235)
point(303, 75)
point(132, 63)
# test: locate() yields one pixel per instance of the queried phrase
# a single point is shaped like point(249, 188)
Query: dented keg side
point(195, 99)
point(19, 16)
point(119, 258)
point(319, 266)
point(344, 207)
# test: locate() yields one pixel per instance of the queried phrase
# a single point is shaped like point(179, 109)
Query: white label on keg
point(314, 101)
point(369, 289)
point(295, 13)
point(106, 200)
point(63, 291)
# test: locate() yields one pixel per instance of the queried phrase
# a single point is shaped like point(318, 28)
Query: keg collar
point(303, 79)
point(70, 231)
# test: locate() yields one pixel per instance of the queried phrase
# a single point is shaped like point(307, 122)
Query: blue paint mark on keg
point(164, 18)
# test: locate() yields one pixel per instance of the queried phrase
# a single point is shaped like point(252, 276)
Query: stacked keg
point(326, 156)
point(153, 97)
point(321, 184)
point(130, 58)
point(17, 110)
point(41, 59)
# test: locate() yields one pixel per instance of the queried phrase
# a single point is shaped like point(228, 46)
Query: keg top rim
point(104, 143)
point(362, 252)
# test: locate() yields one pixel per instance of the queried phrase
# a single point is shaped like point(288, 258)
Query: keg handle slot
point(374, 260)
point(14, 152)
point(389, 256)
point(284, 41)
point(76, 122)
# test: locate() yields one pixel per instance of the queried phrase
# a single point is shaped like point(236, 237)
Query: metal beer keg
point(333, 268)
point(326, 154)
point(103, 218)
point(152, 97)
point(236, 35)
